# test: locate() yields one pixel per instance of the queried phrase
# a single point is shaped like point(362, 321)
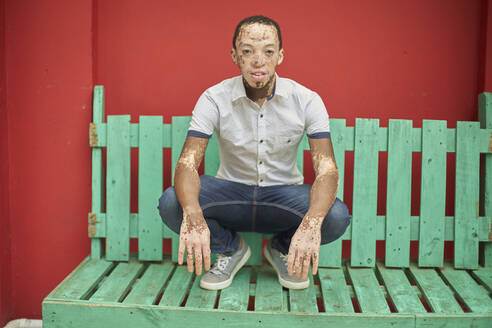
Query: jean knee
point(170, 210)
point(336, 222)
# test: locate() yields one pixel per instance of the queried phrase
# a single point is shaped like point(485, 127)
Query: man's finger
point(298, 264)
point(189, 257)
point(206, 255)
point(305, 266)
point(315, 262)
point(290, 261)
point(198, 259)
point(181, 251)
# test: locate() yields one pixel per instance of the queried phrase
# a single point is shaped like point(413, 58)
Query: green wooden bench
point(113, 288)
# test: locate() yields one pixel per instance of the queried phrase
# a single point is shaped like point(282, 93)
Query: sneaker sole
point(283, 282)
point(226, 283)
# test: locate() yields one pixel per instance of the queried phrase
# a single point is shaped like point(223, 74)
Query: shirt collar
point(238, 90)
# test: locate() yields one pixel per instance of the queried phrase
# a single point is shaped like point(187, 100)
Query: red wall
point(487, 48)
point(385, 59)
point(49, 98)
point(5, 277)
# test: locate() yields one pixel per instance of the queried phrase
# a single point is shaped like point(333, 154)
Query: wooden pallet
point(129, 294)
point(114, 288)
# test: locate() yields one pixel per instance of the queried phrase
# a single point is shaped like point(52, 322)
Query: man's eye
point(269, 52)
point(246, 52)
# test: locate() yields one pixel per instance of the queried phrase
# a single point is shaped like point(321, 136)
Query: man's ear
point(234, 55)
point(280, 56)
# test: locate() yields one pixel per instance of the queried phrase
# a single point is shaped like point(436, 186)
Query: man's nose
point(258, 60)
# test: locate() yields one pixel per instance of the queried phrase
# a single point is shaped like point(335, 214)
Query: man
point(259, 119)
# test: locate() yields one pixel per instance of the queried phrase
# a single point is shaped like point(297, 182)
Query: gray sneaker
point(225, 268)
point(279, 263)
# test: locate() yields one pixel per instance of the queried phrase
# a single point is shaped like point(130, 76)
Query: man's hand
point(194, 236)
point(304, 246)
point(305, 243)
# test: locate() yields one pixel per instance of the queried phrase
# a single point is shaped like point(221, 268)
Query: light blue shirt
point(258, 145)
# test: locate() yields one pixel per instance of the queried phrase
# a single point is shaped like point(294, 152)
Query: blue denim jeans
point(229, 207)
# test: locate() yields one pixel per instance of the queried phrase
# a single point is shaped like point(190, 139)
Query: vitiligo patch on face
point(257, 32)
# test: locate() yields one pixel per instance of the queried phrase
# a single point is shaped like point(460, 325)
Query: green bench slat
point(400, 290)
point(466, 196)
point(285, 302)
point(177, 288)
point(114, 287)
point(484, 275)
point(118, 189)
point(303, 300)
point(303, 145)
point(437, 294)
point(368, 291)
point(199, 297)
point(179, 128)
point(474, 296)
point(150, 175)
point(331, 254)
point(336, 297)
point(452, 320)
point(433, 193)
point(363, 251)
point(212, 157)
point(236, 296)
point(82, 281)
point(97, 172)
point(484, 226)
point(127, 316)
point(398, 193)
point(147, 289)
point(485, 118)
point(268, 297)
point(101, 141)
point(254, 241)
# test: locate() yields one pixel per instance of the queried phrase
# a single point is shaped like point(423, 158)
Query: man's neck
point(259, 96)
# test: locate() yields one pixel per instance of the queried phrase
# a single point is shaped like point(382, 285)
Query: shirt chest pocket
point(285, 146)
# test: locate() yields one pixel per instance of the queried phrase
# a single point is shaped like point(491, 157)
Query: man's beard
point(259, 91)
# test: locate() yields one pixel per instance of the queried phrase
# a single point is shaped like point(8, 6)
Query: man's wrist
point(312, 221)
point(192, 210)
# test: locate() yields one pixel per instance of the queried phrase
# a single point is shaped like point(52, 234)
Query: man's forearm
point(323, 194)
point(325, 186)
point(186, 178)
point(187, 186)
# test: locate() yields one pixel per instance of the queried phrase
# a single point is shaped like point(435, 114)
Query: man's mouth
point(257, 76)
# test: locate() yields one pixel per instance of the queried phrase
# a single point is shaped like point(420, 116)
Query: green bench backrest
point(434, 140)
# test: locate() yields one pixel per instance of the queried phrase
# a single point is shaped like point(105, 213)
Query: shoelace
point(221, 264)
point(284, 259)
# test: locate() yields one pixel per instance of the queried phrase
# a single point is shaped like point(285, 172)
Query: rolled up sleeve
point(205, 117)
point(317, 120)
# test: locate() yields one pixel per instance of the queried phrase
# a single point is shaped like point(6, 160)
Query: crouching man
point(259, 119)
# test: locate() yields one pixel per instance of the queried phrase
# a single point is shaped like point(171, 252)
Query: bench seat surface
point(163, 290)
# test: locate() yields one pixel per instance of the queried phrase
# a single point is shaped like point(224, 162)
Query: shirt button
point(261, 162)
point(261, 115)
point(261, 180)
point(261, 141)
point(288, 141)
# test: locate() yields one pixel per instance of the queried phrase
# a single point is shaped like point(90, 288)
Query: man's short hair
point(257, 19)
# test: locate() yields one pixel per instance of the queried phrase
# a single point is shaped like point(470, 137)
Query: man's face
point(257, 54)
